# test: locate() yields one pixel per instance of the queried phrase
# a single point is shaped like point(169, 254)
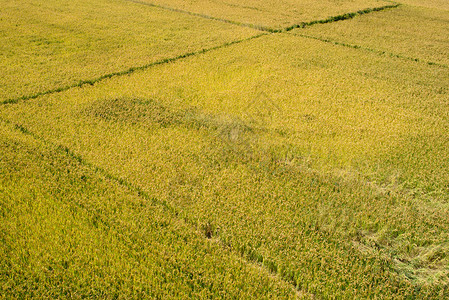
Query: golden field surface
point(271, 13)
point(438, 4)
point(411, 32)
point(68, 231)
point(50, 44)
point(311, 163)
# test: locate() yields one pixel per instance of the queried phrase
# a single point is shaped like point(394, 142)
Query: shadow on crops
point(231, 135)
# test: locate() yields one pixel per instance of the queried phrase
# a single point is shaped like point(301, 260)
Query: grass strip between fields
point(250, 256)
point(125, 72)
point(342, 17)
point(379, 52)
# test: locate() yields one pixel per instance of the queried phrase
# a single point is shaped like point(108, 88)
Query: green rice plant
point(52, 45)
point(341, 190)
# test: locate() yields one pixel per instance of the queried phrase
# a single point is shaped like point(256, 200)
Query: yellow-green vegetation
point(68, 231)
point(438, 4)
point(160, 150)
point(55, 43)
point(409, 32)
point(324, 164)
point(271, 14)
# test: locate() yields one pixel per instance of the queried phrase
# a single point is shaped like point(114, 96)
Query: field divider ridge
point(379, 52)
point(342, 17)
point(247, 255)
point(128, 71)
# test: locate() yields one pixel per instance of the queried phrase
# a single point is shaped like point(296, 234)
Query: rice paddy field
point(224, 149)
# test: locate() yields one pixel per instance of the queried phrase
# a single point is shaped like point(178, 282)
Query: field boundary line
point(128, 71)
point(379, 52)
point(341, 17)
point(247, 256)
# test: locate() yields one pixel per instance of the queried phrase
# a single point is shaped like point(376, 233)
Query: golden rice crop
point(308, 163)
point(51, 44)
point(67, 231)
point(412, 32)
point(300, 164)
point(272, 14)
point(437, 4)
